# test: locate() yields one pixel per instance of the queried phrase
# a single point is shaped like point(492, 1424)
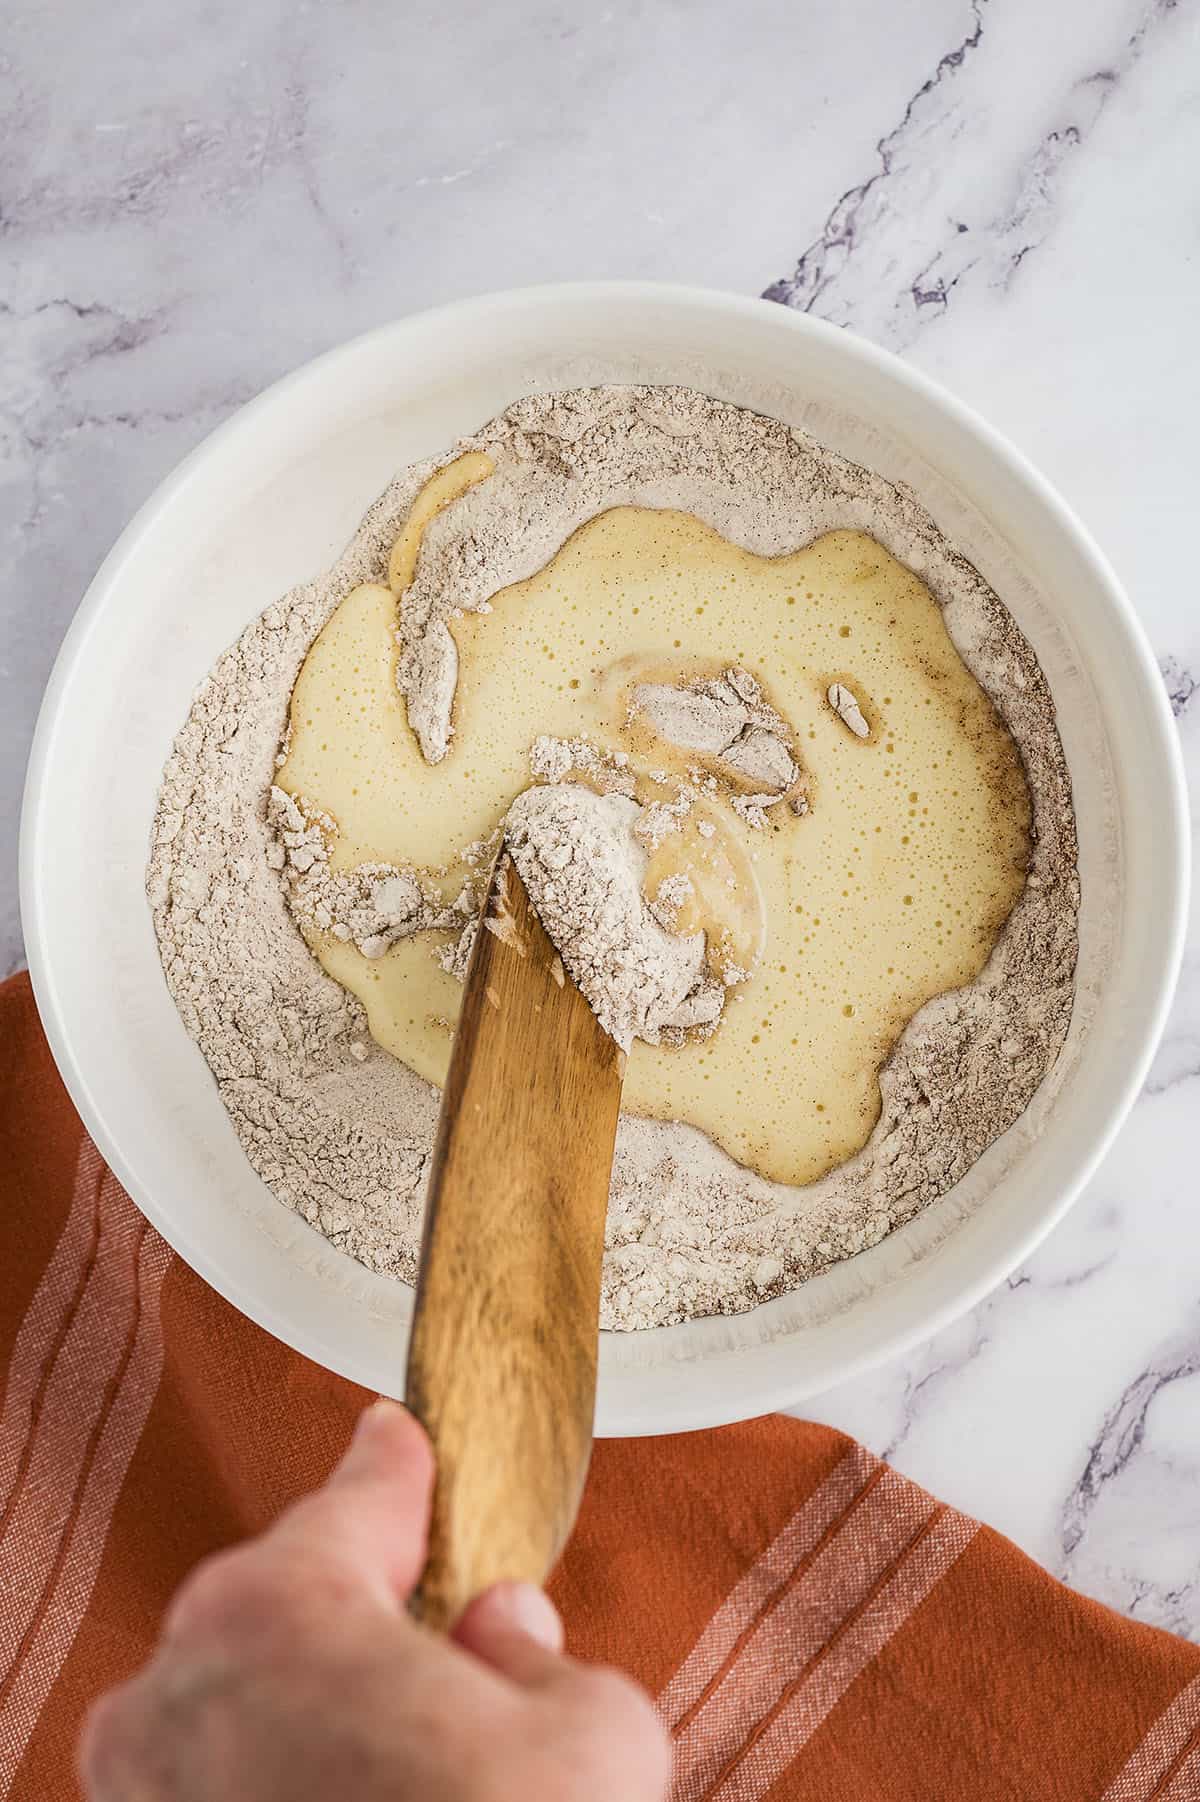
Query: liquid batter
point(890, 889)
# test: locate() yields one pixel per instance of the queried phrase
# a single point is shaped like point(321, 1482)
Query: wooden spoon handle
point(502, 1357)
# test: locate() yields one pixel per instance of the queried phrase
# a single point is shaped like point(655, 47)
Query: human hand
point(289, 1671)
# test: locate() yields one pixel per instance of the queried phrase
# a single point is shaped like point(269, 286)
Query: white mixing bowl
point(269, 500)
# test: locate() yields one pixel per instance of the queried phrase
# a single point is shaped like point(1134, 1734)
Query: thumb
point(372, 1514)
point(515, 1628)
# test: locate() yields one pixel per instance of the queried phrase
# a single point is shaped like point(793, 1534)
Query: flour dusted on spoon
point(583, 865)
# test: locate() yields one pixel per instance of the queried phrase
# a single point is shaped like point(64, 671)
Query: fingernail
point(530, 1610)
point(365, 1428)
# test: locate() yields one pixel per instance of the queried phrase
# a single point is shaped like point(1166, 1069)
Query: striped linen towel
point(813, 1625)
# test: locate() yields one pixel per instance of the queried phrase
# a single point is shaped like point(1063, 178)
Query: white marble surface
point(195, 198)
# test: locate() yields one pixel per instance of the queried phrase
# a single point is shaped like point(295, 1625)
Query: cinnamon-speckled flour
point(341, 1131)
point(579, 857)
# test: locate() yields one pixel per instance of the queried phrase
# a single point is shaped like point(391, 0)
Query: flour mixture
point(779, 771)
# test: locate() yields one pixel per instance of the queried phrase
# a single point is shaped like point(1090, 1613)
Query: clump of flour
point(844, 702)
point(583, 866)
point(557, 759)
point(372, 906)
point(726, 720)
point(342, 1132)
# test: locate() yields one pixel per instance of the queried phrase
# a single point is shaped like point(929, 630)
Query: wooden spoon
point(502, 1358)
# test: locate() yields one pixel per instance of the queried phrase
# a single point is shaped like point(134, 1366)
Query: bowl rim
point(772, 1388)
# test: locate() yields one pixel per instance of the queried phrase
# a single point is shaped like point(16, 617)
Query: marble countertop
point(194, 199)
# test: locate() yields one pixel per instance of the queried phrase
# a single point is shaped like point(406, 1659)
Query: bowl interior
point(272, 498)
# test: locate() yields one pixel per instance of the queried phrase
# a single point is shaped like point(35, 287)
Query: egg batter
point(877, 879)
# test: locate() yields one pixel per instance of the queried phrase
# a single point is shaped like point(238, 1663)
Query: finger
point(515, 1628)
point(372, 1516)
point(100, 1754)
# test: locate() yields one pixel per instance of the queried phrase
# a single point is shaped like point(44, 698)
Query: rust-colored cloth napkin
point(813, 1625)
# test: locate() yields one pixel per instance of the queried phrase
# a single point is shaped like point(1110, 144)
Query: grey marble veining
point(195, 199)
point(976, 162)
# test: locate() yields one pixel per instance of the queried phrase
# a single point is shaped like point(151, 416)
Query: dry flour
point(580, 858)
point(341, 1131)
